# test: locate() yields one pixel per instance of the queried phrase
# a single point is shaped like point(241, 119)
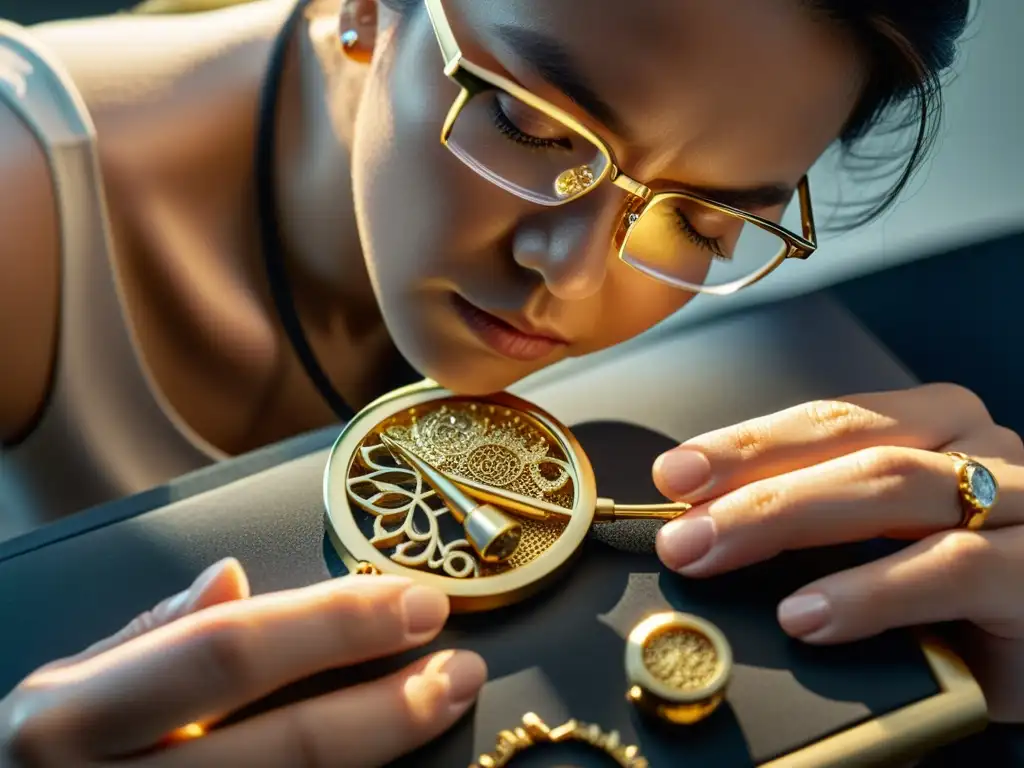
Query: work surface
point(67, 585)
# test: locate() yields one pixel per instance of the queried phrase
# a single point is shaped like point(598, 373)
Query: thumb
point(223, 582)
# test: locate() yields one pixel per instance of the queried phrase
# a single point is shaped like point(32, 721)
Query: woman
point(375, 250)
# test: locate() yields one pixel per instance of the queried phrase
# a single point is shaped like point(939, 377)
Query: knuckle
point(1007, 443)
point(887, 463)
point(364, 617)
point(749, 439)
point(962, 400)
point(761, 501)
point(304, 740)
point(836, 419)
point(145, 622)
point(226, 653)
point(969, 559)
point(969, 568)
point(28, 741)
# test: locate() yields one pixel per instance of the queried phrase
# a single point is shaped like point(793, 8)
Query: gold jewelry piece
point(352, 48)
point(484, 498)
point(493, 535)
point(678, 667)
point(534, 732)
point(979, 490)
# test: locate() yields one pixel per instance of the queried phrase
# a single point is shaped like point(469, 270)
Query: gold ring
point(678, 667)
point(535, 732)
point(978, 488)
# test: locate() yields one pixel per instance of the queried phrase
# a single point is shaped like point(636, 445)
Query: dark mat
point(559, 654)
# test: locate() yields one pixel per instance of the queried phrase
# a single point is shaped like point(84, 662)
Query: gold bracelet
point(535, 732)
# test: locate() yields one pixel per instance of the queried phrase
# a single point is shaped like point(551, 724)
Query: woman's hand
point(855, 469)
point(132, 699)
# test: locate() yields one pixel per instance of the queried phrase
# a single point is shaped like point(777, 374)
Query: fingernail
point(803, 615)
point(682, 472)
point(684, 541)
point(466, 673)
point(425, 611)
point(186, 599)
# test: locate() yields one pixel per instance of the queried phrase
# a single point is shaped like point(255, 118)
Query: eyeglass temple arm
point(807, 212)
point(450, 50)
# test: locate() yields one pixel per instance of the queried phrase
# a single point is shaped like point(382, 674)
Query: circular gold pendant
point(483, 498)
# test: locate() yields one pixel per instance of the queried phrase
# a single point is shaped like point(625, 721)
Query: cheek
point(633, 304)
point(420, 211)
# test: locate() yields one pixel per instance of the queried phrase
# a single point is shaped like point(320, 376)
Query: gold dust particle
point(681, 658)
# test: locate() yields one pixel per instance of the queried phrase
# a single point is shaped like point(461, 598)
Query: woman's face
point(480, 288)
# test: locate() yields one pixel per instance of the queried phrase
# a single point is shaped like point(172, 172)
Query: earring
point(349, 39)
point(358, 16)
point(352, 47)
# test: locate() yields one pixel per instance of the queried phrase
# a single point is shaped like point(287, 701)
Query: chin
point(476, 378)
point(468, 371)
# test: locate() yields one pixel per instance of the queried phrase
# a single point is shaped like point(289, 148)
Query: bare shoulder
point(29, 259)
point(129, 62)
point(130, 71)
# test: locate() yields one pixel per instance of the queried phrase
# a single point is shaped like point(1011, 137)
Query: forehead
point(713, 91)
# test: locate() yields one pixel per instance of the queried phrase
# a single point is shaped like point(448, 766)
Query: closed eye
point(713, 245)
point(514, 133)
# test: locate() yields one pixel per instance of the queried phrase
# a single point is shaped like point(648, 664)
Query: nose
point(569, 246)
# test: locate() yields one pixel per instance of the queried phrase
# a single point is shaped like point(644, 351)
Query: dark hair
point(910, 45)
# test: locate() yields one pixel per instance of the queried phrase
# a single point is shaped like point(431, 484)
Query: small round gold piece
point(678, 667)
point(574, 181)
point(979, 490)
point(535, 732)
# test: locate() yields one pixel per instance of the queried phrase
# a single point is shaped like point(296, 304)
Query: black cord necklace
point(271, 243)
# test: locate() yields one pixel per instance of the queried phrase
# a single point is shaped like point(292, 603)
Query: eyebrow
point(747, 198)
point(554, 65)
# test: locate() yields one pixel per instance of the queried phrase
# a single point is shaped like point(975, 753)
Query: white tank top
point(106, 432)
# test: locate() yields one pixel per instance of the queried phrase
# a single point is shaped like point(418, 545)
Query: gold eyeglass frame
point(474, 79)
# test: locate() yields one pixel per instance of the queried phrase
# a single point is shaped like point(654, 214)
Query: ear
point(357, 30)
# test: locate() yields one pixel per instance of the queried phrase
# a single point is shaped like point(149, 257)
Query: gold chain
point(535, 732)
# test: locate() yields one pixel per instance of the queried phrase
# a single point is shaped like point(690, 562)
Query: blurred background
point(938, 278)
point(34, 11)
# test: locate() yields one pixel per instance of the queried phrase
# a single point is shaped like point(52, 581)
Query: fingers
point(877, 492)
point(953, 575)
point(715, 463)
point(222, 582)
point(208, 664)
point(368, 725)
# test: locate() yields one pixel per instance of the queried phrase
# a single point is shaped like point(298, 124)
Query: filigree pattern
point(479, 441)
point(493, 445)
point(404, 517)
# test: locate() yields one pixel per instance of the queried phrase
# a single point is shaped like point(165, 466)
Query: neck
point(327, 273)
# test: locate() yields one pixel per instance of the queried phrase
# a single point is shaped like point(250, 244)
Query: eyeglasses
point(532, 149)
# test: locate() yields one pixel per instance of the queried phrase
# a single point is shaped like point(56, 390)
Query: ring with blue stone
point(979, 490)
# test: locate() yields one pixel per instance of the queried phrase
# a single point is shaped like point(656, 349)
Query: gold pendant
point(484, 498)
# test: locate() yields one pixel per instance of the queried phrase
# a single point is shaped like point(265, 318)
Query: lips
point(516, 342)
